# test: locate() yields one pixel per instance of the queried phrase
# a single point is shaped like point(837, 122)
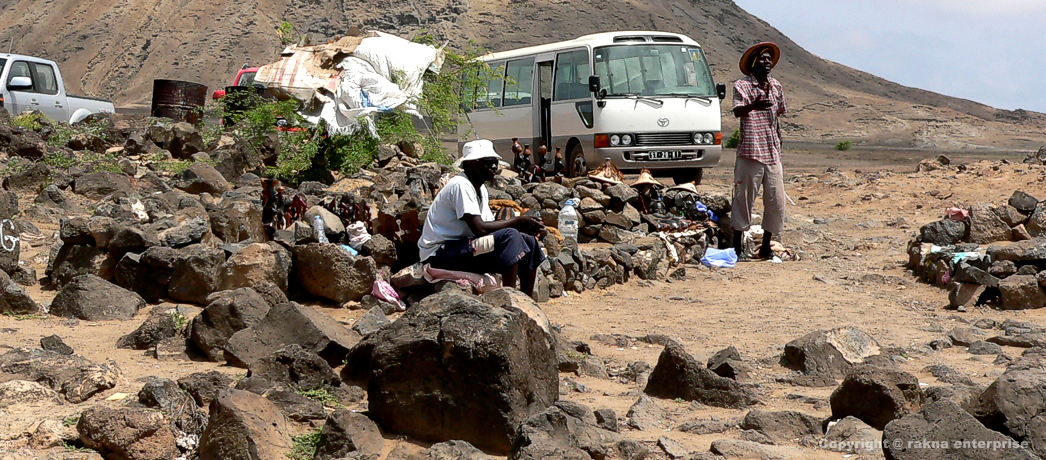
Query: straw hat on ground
point(607, 173)
point(689, 187)
point(645, 178)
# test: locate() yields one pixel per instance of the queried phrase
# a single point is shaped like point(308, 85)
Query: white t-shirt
point(444, 220)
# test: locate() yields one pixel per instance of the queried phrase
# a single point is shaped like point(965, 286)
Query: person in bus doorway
point(461, 233)
point(758, 103)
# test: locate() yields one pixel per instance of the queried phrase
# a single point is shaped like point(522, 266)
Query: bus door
point(544, 111)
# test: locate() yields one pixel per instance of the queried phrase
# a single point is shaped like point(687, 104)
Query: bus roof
point(593, 40)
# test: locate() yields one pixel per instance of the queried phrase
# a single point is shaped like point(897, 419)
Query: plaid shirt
point(760, 132)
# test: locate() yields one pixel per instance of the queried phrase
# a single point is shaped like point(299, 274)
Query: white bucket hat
point(477, 150)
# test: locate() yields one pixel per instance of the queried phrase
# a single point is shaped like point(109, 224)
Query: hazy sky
point(992, 52)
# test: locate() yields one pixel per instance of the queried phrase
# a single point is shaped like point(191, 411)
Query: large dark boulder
point(1015, 404)
point(679, 375)
point(73, 376)
point(876, 395)
point(1021, 292)
point(563, 431)
point(181, 139)
point(348, 433)
point(943, 232)
point(296, 368)
point(1023, 202)
point(236, 221)
point(97, 185)
point(228, 313)
point(190, 226)
point(160, 325)
point(195, 273)
point(204, 386)
point(127, 433)
point(290, 323)
point(782, 426)
point(986, 226)
point(75, 260)
point(327, 270)
point(829, 353)
point(1026, 250)
point(14, 299)
point(132, 239)
point(244, 426)
point(201, 178)
point(944, 431)
point(454, 367)
point(256, 263)
point(22, 142)
point(91, 298)
point(134, 275)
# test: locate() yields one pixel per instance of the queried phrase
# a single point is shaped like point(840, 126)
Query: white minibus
point(640, 99)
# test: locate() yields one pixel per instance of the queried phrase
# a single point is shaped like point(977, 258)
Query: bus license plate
point(665, 155)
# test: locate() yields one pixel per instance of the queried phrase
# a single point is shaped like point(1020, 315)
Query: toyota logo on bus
point(662, 122)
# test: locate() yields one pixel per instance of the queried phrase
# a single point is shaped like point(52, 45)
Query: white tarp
point(382, 73)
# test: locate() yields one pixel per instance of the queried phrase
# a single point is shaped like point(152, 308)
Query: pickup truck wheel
point(577, 166)
point(682, 176)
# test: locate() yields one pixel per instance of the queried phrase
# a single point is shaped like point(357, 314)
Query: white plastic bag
point(358, 235)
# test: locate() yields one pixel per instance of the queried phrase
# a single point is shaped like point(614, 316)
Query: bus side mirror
point(720, 90)
point(593, 84)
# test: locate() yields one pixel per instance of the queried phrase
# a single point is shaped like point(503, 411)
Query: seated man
point(460, 231)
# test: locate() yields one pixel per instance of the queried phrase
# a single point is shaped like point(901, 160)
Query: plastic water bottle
point(568, 220)
point(317, 225)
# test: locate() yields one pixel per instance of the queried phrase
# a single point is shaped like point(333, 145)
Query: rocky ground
point(638, 349)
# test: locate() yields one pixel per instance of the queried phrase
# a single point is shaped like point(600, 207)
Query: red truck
point(245, 77)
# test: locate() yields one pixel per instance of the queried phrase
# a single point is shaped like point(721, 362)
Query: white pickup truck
point(32, 83)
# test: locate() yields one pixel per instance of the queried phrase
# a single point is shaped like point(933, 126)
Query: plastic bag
point(722, 258)
point(358, 235)
point(384, 291)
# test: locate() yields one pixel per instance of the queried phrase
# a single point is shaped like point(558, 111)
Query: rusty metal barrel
point(178, 100)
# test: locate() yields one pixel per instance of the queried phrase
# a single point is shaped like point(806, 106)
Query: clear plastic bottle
point(568, 220)
point(317, 225)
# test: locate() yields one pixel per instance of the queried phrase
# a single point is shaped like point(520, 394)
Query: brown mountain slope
point(115, 48)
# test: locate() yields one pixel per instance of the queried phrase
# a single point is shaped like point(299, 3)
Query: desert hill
point(115, 48)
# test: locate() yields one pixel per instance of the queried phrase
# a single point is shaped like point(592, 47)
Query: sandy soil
point(851, 273)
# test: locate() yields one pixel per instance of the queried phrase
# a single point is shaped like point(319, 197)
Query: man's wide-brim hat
point(754, 52)
point(477, 150)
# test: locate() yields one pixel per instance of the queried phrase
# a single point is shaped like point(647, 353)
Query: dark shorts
point(510, 248)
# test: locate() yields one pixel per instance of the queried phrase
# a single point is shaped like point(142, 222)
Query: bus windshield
point(653, 70)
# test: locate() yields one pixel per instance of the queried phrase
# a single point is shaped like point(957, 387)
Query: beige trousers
point(749, 177)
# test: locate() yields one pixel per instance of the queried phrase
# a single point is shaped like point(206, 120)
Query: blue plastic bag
point(722, 258)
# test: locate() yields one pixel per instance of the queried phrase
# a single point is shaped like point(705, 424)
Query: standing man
point(758, 102)
point(460, 231)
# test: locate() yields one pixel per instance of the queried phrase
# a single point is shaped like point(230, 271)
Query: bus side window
point(572, 72)
point(518, 92)
point(496, 86)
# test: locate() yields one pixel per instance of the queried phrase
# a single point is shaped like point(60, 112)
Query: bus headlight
point(698, 138)
point(709, 138)
point(615, 140)
point(626, 139)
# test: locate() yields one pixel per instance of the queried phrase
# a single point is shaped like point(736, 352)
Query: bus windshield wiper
point(647, 99)
point(705, 100)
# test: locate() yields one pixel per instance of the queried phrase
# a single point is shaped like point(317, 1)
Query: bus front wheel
point(682, 176)
point(577, 164)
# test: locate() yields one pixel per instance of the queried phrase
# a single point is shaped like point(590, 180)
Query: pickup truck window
point(19, 69)
point(246, 79)
point(46, 82)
